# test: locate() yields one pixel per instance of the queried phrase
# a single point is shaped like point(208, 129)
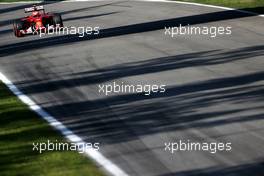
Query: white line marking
point(165, 1)
point(94, 154)
point(97, 156)
point(203, 5)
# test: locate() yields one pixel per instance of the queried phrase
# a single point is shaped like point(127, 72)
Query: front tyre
point(57, 20)
point(17, 27)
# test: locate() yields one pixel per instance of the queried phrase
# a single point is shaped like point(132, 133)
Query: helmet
point(35, 13)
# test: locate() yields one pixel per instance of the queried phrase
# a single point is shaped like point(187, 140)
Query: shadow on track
point(4, 32)
point(21, 7)
point(181, 107)
point(253, 169)
point(122, 30)
point(89, 16)
point(92, 7)
point(143, 67)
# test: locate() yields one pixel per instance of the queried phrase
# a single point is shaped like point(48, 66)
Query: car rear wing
point(34, 8)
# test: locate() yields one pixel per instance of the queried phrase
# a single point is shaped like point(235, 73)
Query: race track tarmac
point(214, 86)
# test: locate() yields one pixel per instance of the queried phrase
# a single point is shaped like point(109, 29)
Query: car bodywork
point(38, 20)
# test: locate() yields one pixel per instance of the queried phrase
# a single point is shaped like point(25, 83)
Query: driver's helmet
point(35, 13)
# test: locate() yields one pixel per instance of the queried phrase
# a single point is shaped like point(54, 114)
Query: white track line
point(94, 154)
point(97, 156)
point(203, 5)
point(165, 1)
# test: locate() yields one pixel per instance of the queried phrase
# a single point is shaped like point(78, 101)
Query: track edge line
point(165, 1)
point(67, 133)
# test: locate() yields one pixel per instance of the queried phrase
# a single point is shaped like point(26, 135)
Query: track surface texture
point(214, 85)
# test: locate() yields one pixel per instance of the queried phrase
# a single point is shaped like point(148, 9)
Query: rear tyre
point(17, 27)
point(57, 20)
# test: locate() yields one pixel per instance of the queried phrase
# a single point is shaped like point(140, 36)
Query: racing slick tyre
point(57, 20)
point(17, 26)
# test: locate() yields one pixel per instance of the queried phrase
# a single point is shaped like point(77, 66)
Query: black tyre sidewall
point(18, 25)
point(57, 20)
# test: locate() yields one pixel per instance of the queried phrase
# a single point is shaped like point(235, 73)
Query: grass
point(19, 128)
point(250, 5)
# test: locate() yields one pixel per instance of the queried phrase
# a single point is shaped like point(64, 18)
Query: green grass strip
point(249, 5)
point(19, 128)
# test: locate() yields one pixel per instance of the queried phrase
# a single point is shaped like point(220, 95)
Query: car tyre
point(17, 26)
point(57, 20)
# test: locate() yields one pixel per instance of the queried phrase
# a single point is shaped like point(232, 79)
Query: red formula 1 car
point(38, 20)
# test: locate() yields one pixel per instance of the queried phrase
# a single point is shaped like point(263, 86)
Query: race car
point(38, 20)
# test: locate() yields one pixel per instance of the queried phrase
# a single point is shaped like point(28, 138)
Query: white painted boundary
point(165, 1)
point(97, 156)
point(94, 154)
point(203, 5)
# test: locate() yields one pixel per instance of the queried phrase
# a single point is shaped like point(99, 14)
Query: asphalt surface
point(214, 87)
